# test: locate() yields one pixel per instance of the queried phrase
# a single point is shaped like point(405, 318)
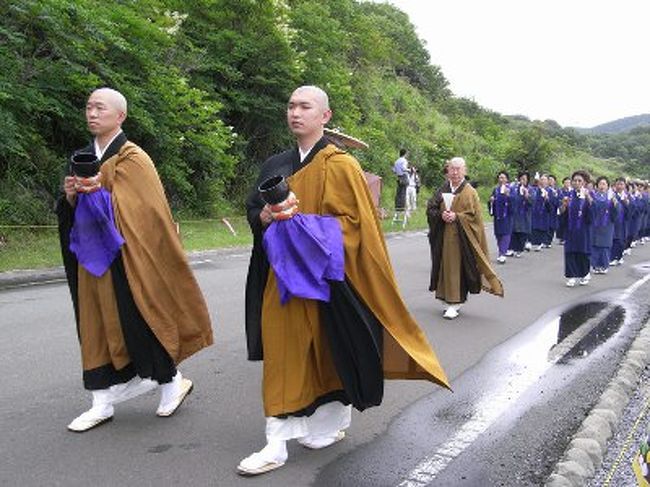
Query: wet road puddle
point(563, 336)
point(584, 327)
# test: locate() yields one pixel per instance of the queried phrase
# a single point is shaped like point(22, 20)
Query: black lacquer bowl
point(84, 164)
point(274, 190)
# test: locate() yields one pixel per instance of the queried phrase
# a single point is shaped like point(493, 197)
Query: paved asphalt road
point(222, 421)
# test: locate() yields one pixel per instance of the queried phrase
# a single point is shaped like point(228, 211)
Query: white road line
point(630, 290)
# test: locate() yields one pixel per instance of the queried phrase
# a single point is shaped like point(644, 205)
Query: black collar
point(114, 147)
point(318, 146)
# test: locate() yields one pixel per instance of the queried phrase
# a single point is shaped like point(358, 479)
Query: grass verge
point(38, 247)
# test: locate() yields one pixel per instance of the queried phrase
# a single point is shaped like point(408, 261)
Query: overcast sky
point(578, 62)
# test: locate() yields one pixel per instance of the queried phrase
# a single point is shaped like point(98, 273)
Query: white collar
point(100, 152)
point(451, 185)
point(305, 153)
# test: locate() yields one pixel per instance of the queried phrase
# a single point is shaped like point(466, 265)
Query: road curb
point(31, 277)
point(588, 446)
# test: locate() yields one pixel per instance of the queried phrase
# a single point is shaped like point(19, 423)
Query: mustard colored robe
point(298, 367)
point(159, 277)
point(459, 253)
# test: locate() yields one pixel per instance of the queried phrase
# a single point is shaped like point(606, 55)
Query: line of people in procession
point(596, 221)
point(323, 312)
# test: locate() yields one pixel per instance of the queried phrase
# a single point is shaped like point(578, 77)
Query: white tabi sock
point(100, 412)
point(275, 451)
point(170, 390)
point(102, 403)
point(101, 408)
point(133, 388)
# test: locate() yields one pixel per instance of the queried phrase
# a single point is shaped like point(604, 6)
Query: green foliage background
point(207, 83)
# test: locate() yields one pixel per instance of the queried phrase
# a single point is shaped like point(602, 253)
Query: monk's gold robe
point(299, 372)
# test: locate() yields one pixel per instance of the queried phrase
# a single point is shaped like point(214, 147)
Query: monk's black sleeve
point(65, 216)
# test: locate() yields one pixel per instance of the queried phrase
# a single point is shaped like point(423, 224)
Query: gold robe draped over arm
point(468, 211)
point(161, 281)
point(334, 184)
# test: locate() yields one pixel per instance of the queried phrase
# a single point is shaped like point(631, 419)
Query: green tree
point(530, 150)
point(207, 84)
point(240, 53)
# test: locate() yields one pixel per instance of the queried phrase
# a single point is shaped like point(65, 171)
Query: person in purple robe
point(563, 192)
point(540, 213)
point(520, 200)
point(645, 228)
point(554, 201)
point(575, 210)
point(620, 226)
point(636, 215)
point(499, 207)
point(630, 221)
point(604, 208)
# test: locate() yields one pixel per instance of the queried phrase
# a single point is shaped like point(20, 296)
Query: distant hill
point(619, 126)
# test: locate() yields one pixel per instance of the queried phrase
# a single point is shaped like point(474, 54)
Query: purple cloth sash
point(620, 215)
point(523, 202)
point(304, 252)
point(601, 209)
point(500, 204)
point(576, 211)
point(93, 238)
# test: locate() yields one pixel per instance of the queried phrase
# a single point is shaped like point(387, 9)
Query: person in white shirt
point(400, 169)
point(412, 190)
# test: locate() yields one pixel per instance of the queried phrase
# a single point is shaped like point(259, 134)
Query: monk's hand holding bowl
point(70, 189)
point(266, 215)
point(88, 185)
point(285, 209)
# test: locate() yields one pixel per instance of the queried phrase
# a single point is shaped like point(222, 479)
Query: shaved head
point(112, 97)
point(105, 112)
point(319, 95)
point(307, 114)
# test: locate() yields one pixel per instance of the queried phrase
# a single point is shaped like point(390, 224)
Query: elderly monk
point(138, 308)
point(459, 254)
point(320, 357)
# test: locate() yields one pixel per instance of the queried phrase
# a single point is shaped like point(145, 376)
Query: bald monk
point(322, 356)
point(138, 308)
